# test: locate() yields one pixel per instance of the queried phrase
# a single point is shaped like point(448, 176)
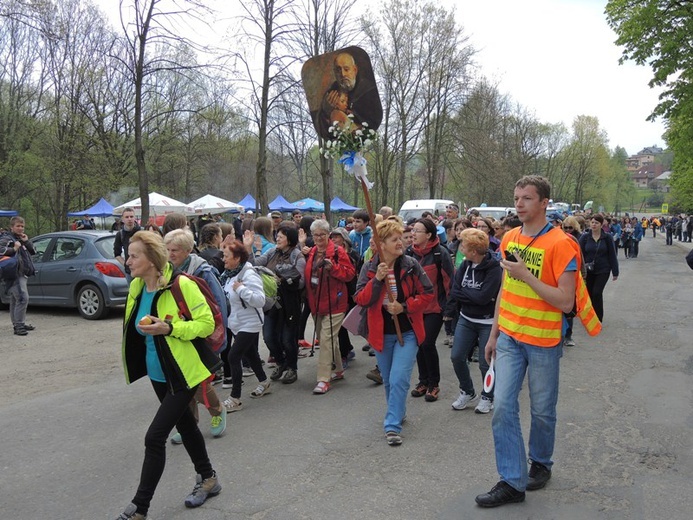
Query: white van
point(497, 212)
point(414, 208)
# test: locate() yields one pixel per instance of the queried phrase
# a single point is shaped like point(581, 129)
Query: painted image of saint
point(339, 84)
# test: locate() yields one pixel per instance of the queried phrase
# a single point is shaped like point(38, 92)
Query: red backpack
point(216, 341)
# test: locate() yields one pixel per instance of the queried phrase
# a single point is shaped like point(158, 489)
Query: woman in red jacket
point(328, 269)
point(436, 262)
point(413, 293)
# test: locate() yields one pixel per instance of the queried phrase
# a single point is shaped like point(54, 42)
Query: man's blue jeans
point(513, 360)
point(396, 363)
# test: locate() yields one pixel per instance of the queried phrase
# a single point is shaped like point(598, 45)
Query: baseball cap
point(276, 214)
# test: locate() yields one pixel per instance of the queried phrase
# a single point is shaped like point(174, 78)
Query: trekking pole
point(317, 306)
point(376, 241)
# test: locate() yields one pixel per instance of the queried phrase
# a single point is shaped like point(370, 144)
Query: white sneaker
point(485, 405)
point(233, 405)
point(262, 389)
point(248, 372)
point(462, 401)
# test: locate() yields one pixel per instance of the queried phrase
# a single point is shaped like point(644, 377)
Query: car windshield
point(497, 214)
point(105, 246)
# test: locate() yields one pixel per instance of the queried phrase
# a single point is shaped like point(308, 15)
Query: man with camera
point(18, 248)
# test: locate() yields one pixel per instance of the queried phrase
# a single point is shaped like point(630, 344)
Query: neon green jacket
point(185, 364)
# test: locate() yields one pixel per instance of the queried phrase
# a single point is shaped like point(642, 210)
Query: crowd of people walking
point(505, 292)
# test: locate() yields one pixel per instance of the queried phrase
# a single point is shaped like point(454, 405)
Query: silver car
point(76, 269)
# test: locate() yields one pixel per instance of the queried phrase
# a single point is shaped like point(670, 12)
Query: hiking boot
point(233, 405)
point(19, 330)
point(131, 513)
point(462, 401)
point(203, 489)
point(278, 372)
point(176, 438)
point(539, 475)
point(261, 389)
point(432, 394)
point(485, 405)
point(375, 376)
point(218, 426)
point(420, 390)
point(290, 376)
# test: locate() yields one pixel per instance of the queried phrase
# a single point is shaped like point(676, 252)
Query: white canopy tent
point(158, 205)
point(214, 205)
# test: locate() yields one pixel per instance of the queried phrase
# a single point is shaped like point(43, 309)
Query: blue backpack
point(9, 266)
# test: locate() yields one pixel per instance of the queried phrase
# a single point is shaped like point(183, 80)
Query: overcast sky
point(557, 58)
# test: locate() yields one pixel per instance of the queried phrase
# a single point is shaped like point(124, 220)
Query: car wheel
point(90, 303)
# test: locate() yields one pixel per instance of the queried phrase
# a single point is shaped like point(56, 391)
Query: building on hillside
point(647, 173)
point(642, 158)
point(661, 182)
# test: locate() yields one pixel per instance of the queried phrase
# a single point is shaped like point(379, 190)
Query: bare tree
point(156, 23)
point(446, 81)
point(23, 85)
point(266, 26)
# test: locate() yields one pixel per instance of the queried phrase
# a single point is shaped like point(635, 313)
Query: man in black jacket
point(122, 239)
point(17, 244)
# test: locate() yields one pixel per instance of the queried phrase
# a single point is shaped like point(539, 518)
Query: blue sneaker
point(219, 423)
point(203, 489)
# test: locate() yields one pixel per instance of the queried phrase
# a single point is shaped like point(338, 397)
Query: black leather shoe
point(501, 494)
point(539, 475)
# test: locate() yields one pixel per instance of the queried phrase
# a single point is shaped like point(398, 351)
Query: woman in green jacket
point(158, 343)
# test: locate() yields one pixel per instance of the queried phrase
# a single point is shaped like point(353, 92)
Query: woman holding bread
point(158, 343)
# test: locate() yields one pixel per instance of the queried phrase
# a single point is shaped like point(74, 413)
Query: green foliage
point(657, 33)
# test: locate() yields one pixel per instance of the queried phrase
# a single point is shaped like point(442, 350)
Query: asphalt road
point(623, 450)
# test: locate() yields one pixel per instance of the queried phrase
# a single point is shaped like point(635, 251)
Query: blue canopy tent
point(248, 202)
point(100, 209)
point(281, 204)
point(310, 205)
point(8, 213)
point(338, 205)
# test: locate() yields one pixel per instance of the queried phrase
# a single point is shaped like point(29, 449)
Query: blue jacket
point(638, 231)
point(361, 241)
